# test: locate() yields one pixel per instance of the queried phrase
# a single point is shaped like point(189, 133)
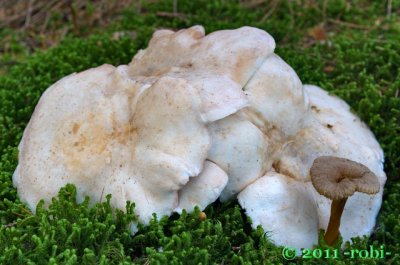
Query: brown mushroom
point(337, 179)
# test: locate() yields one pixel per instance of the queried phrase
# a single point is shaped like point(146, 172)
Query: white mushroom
point(217, 65)
point(284, 207)
point(221, 53)
point(240, 149)
point(193, 118)
point(103, 135)
point(333, 130)
point(329, 128)
point(276, 93)
point(139, 132)
point(202, 190)
point(340, 133)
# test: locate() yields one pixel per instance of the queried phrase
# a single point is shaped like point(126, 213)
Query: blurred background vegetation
point(28, 25)
point(351, 48)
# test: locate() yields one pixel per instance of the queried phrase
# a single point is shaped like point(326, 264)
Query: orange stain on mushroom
point(87, 145)
point(75, 128)
point(242, 66)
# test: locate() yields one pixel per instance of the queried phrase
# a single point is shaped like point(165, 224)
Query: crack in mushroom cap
point(276, 92)
point(222, 52)
point(338, 178)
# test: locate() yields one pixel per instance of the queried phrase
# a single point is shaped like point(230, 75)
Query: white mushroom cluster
point(194, 118)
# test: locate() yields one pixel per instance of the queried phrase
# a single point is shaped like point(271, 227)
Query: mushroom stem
point(332, 232)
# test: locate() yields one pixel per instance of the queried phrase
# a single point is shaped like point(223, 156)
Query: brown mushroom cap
point(337, 178)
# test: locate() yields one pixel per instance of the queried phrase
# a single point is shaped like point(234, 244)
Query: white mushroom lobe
point(192, 118)
point(134, 152)
point(284, 207)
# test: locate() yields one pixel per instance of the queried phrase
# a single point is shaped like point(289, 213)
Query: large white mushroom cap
point(192, 118)
point(97, 130)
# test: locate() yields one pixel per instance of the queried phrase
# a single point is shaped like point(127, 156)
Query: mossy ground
point(350, 48)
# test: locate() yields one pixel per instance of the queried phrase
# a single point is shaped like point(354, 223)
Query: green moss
point(67, 232)
point(364, 71)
